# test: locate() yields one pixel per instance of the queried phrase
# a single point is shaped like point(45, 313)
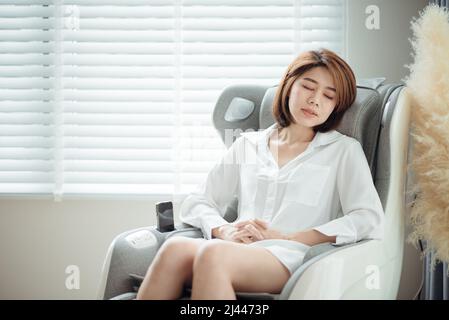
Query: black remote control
point(164, 212)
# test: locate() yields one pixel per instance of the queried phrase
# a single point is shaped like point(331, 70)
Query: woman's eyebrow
point(316, 82)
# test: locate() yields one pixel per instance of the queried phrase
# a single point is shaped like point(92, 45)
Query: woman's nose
point(313, 100)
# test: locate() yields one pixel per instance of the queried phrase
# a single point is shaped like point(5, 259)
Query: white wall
point(40, 238)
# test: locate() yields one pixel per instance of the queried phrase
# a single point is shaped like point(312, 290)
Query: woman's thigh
point(251, 268)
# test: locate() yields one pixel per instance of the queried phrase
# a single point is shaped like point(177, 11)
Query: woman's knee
point(211, 256)
point(177, 250)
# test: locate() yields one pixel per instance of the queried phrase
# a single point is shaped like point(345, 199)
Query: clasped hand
point(248, 231)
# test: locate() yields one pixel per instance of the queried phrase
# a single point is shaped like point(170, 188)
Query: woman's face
point(313, 91)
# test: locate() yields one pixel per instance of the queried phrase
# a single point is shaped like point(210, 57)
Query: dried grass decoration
point(429, 84)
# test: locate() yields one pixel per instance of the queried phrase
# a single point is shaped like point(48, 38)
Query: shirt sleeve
point(363, 215)
point(205, 207)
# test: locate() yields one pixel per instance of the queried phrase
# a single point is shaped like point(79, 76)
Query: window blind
point(106, 97)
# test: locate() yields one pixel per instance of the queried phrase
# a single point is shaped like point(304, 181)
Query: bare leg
point(221, 268)
point(170, 270)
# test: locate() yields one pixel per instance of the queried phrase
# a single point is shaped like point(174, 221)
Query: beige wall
point(383, 52)
point(40, 238)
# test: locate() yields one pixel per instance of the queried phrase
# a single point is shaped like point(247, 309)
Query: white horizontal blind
point(115, 97)
point(321, 23)
point(27, 79)
point(119, 90)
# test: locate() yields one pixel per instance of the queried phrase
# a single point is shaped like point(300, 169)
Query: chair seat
point(137, 279)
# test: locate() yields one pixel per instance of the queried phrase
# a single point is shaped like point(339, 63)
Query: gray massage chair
point(368, 269)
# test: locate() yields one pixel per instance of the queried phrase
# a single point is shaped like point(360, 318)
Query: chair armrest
point(186, 230)
point(131, 252)
point(352, 271)
point(317, 250)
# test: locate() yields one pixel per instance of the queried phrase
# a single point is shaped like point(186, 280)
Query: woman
point(299, 183)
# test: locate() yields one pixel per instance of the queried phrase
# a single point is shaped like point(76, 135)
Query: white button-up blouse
point(328, 187)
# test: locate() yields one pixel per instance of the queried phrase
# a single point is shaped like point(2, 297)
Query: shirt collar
point(320, 138)
point(324, 138)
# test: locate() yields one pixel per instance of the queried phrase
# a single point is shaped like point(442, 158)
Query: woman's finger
point(244, 236)
point(246, 240)
point(261, 223)
point(255, 232)
point(241, 233)
point(241, 223)
point(248, 222)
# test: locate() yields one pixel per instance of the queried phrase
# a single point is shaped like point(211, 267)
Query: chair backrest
point(389, 94)
point(249, 107)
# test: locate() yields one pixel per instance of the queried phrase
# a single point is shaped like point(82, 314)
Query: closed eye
point(330, 98)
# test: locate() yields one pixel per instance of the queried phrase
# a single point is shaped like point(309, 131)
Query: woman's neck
point(296, 134)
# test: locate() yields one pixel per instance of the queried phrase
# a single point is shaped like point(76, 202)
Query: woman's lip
point(307, 113)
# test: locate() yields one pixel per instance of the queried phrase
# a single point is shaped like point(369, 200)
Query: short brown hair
point(344, 80)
